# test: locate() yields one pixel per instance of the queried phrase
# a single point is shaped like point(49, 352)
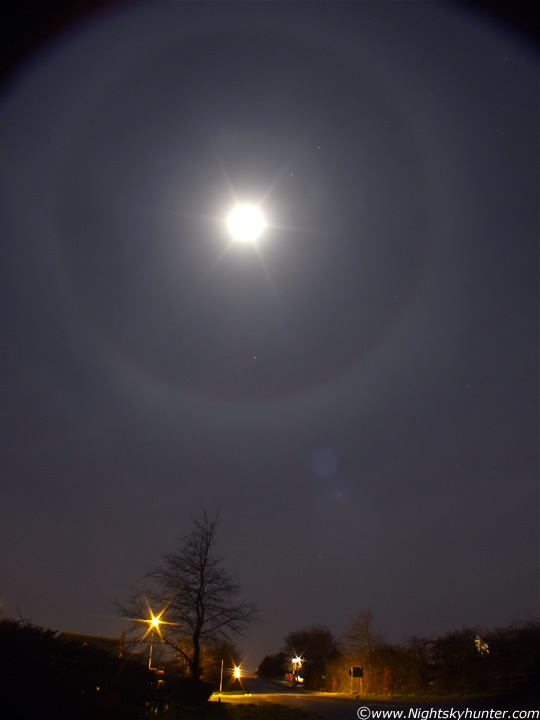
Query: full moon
point(246, 223)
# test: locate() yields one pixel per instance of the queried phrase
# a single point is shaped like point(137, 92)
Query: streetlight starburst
point(153, 622)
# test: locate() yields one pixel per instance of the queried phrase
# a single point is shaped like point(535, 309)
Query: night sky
point(357, 394)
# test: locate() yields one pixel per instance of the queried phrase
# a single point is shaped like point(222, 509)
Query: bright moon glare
point(245, 223)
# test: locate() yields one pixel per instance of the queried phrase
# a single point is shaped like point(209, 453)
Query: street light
point(153, 622)
point(234, 672)
point(297, 664)
point(154, 627)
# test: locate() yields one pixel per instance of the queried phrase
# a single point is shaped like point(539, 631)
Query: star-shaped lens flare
point(153, 621)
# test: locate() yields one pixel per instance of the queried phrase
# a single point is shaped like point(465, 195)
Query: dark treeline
point(43, 675)
point(465, 661)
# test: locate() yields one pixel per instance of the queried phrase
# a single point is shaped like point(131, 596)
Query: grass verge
point(233, 711)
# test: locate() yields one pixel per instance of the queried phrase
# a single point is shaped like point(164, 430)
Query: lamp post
point(153, 623)
point(297, 664)
point(154, 627)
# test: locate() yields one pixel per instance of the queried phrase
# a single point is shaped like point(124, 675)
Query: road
point(261, 692)
point(324, 705)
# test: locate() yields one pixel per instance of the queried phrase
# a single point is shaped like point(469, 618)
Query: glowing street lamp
point(297, 664)
point(234, 672)
point(153, 622)
point(154, 627)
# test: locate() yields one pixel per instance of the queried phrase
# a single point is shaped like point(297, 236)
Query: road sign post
point(356, 672)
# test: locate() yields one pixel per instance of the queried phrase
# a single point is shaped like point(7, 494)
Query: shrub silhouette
point(42, 675)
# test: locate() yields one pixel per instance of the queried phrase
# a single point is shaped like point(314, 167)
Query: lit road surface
point(262, 692)
point(324, 705)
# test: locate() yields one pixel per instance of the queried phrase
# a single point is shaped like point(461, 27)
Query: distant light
point(237, 672)
point(246, 223)
point(155, 621)
point(481, 645)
